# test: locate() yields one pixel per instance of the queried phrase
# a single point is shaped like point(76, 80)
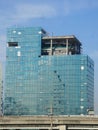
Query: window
point(12, 44)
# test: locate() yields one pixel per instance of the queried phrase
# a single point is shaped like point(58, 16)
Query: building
point(46, 75)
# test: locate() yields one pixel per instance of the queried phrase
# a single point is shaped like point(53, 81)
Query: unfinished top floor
point(58, 45)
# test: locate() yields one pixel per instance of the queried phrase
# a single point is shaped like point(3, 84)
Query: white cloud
point(29, 11)
point(21, 13)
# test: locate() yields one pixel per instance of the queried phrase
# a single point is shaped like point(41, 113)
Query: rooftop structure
point(57, 45)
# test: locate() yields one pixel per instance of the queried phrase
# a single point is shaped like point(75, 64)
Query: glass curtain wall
point(43, 85)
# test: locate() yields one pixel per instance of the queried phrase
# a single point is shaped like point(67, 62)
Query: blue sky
point(60, 17)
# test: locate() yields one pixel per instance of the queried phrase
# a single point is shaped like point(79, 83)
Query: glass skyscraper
point(46, 75)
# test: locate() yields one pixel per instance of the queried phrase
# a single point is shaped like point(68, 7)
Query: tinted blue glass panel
point(39, 85)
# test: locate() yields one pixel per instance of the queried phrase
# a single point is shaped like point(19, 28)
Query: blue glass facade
point(42, 84)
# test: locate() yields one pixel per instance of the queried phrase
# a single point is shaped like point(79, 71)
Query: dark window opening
point(12, 44)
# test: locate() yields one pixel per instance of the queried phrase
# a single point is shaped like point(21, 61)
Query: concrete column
point(51, 46)
point(66, 46)
point(62, 127)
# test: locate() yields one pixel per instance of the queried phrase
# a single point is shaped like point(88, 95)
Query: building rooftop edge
point(61, 37)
